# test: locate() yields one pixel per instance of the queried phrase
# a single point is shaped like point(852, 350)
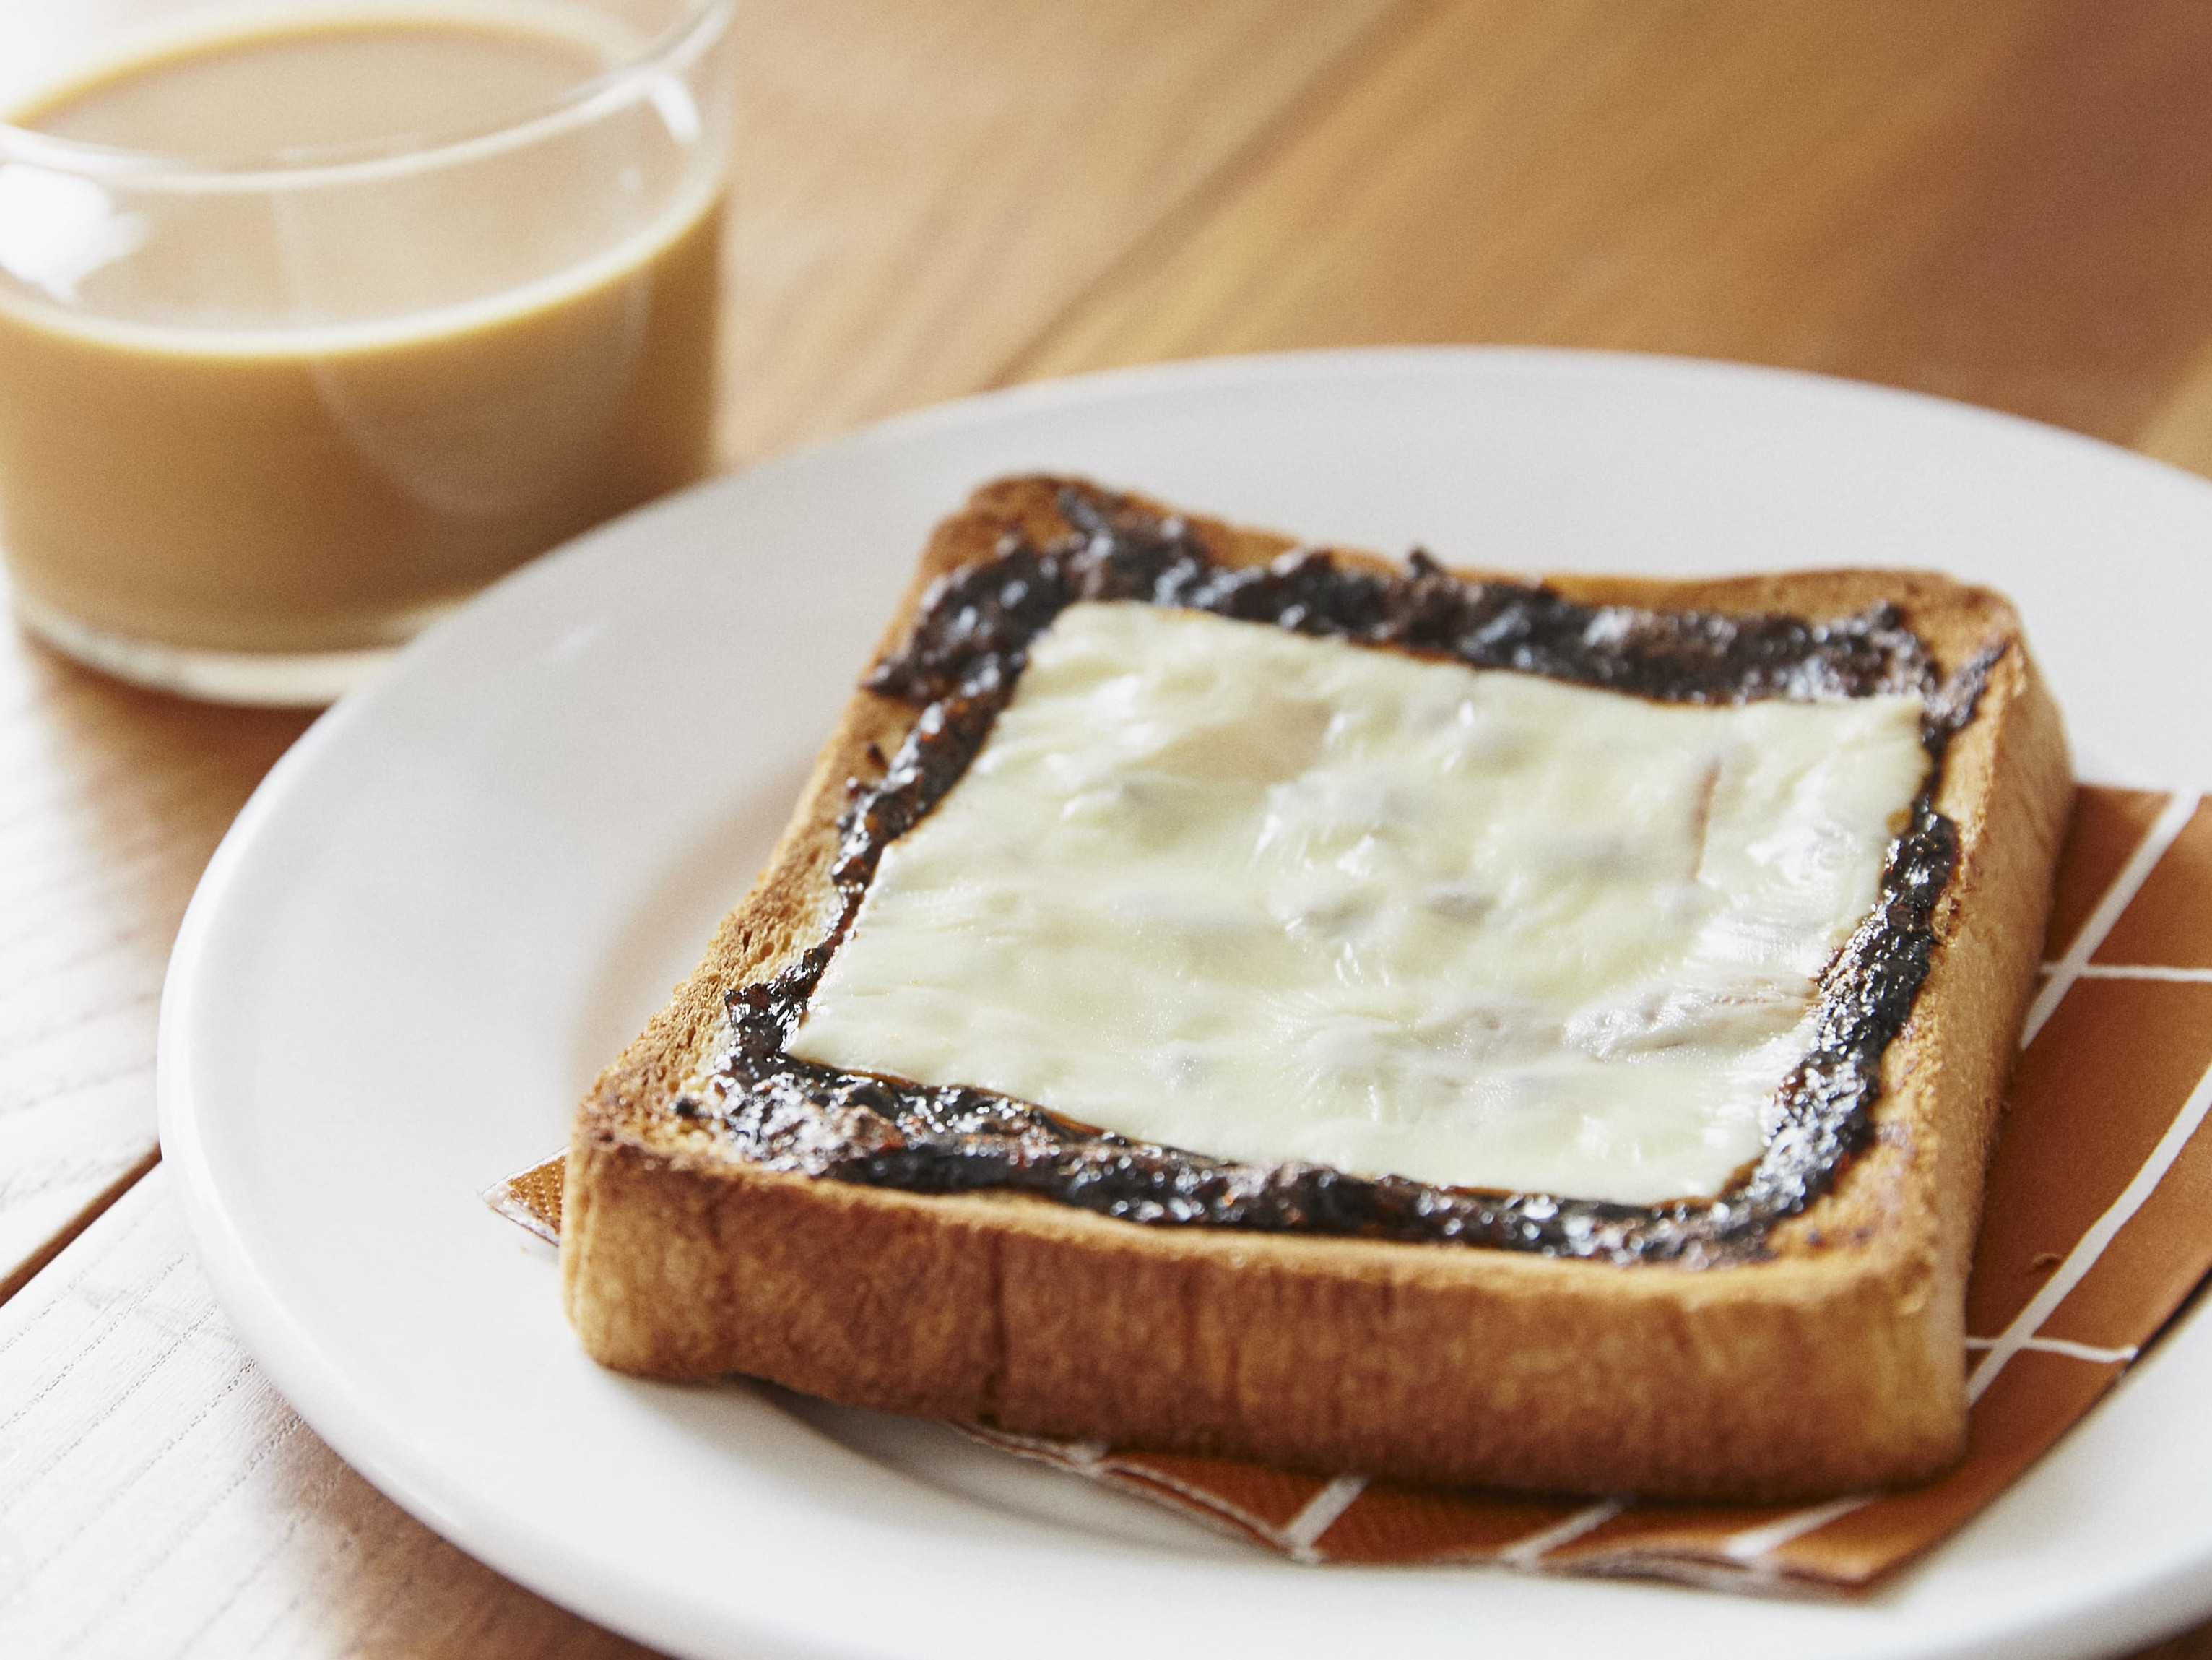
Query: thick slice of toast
point(1827, 1361)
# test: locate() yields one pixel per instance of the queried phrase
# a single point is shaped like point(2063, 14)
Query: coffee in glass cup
point(314, 319)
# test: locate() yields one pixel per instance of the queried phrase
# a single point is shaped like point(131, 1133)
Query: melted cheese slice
point(1218, 885)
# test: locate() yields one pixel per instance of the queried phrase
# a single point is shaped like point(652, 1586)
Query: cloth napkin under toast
point(2097, 1228)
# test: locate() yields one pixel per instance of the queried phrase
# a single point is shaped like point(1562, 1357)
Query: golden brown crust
point(1835, 1367)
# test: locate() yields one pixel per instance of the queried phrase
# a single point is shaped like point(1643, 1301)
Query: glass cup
point(314, 319)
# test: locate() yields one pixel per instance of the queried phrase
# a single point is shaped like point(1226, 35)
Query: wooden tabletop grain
point(2007, 204)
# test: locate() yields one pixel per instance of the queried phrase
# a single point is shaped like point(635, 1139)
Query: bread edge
point(1836, 1367)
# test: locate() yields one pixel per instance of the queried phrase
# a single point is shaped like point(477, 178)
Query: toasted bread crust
point(1834, 1366)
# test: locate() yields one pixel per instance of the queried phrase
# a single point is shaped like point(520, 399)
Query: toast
point(1807, 1343)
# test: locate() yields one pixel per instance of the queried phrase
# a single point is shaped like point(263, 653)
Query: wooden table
point(2007, 203)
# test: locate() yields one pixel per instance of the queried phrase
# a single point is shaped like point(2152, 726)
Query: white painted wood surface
point(158, 1498)
point(111, 801)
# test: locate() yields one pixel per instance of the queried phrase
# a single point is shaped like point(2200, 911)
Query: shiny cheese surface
point(1218, 885)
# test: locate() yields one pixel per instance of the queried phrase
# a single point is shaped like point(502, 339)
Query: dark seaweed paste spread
point(960, 667)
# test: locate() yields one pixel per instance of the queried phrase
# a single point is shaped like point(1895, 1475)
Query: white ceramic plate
point(468, 885)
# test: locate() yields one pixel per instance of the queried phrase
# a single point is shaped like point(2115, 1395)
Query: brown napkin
point(2097, 1227)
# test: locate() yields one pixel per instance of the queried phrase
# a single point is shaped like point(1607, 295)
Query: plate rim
point(2163, 1593)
